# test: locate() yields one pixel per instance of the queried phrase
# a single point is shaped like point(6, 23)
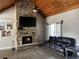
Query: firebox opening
point(26, 39)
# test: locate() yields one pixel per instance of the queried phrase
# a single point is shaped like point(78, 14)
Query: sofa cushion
point(52, 39)
point(67, 41)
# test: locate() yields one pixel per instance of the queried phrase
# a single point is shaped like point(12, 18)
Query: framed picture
point(9, 25)
point(3, 33)
point(6, 33)
point(2, 26)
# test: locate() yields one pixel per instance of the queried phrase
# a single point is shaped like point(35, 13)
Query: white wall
point(70, 25)
point(40, 28)
point(9, 15)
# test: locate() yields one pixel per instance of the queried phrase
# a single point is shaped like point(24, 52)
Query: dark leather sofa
point(60, 43)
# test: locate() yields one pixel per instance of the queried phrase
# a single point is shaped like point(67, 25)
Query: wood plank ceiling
point(4, 4)
point(46, 7)
point(52, 7)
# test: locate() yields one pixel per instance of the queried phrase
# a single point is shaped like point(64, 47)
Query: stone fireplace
point(27, 36)
point(24, 8)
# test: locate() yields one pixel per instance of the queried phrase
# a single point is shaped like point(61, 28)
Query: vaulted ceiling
point(4, 4)
point(46, 7)
point(52, 7)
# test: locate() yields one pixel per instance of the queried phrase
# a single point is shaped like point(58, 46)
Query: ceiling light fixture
point(35, 10)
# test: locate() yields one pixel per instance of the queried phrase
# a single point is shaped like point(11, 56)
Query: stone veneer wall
point(24, 8)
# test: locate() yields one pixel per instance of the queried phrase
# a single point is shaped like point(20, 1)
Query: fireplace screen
point(26, 39)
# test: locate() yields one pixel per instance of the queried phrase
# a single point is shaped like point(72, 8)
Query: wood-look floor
point(30, 53)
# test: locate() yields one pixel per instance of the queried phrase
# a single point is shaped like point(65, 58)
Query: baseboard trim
point(5, 48)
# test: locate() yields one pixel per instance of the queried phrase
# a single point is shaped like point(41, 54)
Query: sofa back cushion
point(52, 39)
point(63, 41)
point(67, 41)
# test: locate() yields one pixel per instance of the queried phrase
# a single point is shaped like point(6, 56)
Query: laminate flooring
point(30, 53)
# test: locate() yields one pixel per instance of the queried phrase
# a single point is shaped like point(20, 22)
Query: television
point(27, 21)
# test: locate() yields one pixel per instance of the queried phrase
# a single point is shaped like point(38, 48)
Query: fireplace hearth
point(26, 39)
